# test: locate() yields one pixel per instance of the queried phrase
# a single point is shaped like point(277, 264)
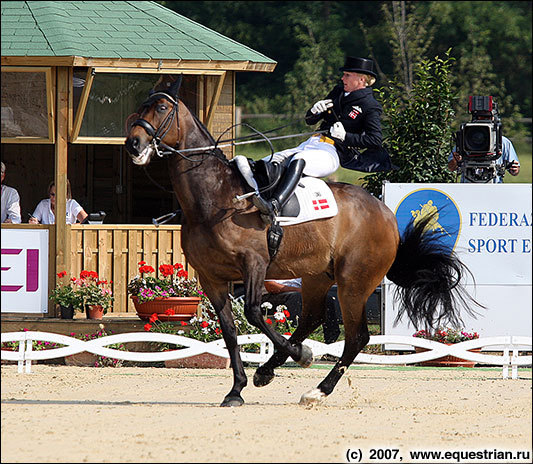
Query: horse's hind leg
point(356, 337)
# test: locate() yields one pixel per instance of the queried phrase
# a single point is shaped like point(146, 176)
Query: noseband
point(160, 133)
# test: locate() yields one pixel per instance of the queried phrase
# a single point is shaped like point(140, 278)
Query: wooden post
point(62, 235)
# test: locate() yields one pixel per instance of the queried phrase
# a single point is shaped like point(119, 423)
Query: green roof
point(114, 30)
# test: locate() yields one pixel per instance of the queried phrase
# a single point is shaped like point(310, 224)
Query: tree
point(409, 37)
point(417, 127)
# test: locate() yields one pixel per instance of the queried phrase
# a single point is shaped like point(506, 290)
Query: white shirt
point(10, 204)
point(44, 213)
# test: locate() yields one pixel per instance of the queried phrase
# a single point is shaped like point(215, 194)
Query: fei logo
point(419, 204)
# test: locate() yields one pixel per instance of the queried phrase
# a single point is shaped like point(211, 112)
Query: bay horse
point(225, 240)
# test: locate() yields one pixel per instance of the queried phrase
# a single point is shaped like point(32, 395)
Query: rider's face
point(353, 81)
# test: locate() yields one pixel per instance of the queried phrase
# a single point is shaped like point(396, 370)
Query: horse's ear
point(175, 87)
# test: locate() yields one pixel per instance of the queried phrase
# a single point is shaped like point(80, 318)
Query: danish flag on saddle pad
point(316, 202)
point(320, 204)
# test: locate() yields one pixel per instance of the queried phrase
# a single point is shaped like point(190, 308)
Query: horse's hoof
point(263, 378)
point(307, 357)
point(232, 401)
point(312, 397)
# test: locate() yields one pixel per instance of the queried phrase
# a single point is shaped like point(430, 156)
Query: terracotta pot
point(184, 308)
point(67, 312)
point(95, 312)
point(83, 359)
point(200, 361)
point(447, 361)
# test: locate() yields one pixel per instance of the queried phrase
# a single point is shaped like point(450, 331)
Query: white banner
point(24, 271)
point(489, 227)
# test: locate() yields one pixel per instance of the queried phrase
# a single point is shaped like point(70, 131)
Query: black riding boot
point(273, 207)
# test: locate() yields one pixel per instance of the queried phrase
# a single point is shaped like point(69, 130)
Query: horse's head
point(154, 126)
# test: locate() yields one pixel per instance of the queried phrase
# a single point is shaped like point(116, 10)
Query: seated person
point(289, 293)
point(45, 211)
point(10, 202)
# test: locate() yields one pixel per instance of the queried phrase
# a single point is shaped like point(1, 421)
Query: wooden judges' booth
point(72, 73)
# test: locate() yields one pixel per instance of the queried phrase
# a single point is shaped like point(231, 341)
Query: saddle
point(312, 199)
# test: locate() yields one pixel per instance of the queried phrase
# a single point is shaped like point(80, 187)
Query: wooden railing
point(114, 251)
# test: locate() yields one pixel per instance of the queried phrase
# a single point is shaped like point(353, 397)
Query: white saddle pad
point(315, 197)
point(316, 202)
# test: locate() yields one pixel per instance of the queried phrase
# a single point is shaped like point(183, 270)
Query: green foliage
point(417, 127)
point(491, 42)
point(66, 296)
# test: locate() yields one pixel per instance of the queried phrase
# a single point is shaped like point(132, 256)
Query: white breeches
point(321, 158)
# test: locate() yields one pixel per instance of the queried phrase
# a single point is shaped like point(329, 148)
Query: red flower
point(204, 324)
point(281, 321)
point(287, 313)
point(147, 327)
point(170, 312)
point(287, 333)
point(153, 317)
point(146, 269)
point(84, 274)
point(166, 269)
point(62, 274)
point(178, 266)
point(268, 321)
point(182, 273)
point(218, 331)
point(142, 263)
point(183, 323)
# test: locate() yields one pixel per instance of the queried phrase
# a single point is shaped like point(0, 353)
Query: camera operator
point(484, 168)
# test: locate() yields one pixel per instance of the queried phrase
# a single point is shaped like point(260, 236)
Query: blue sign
point(421, 203)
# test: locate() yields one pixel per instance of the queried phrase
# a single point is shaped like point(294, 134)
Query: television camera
point(479, 142)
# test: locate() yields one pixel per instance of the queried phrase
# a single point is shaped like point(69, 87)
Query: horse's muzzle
point(139, 156)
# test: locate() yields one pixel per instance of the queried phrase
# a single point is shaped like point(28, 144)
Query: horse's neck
point(204, 184)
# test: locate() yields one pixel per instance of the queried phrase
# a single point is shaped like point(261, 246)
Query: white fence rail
point(510, 346)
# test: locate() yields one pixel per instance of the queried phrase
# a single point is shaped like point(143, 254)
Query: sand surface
point(147, 414)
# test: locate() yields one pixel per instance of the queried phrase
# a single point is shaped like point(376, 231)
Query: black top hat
point(360, 65)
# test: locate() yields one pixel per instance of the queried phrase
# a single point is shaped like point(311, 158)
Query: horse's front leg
point(253, 282)
point(313, 313)
point(218, 295)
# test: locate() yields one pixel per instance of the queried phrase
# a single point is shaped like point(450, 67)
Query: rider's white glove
point(337, 131)
point(321, 106)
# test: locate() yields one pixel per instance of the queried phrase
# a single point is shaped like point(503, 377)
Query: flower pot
point(200, 361)
point(67, 312)
point(448, 360)
point(184, 308)
point(95, 312)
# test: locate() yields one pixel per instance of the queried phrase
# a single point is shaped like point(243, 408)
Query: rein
point(159, 133)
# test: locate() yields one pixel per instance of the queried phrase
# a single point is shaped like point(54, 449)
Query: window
point(102, 109)
point(27, 105)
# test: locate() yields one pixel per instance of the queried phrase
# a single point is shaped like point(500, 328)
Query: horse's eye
point(161, 108)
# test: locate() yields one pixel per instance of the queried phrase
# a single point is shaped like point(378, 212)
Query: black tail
point(428, 275)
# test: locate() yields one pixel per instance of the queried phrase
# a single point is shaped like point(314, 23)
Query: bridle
point(159, 134)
